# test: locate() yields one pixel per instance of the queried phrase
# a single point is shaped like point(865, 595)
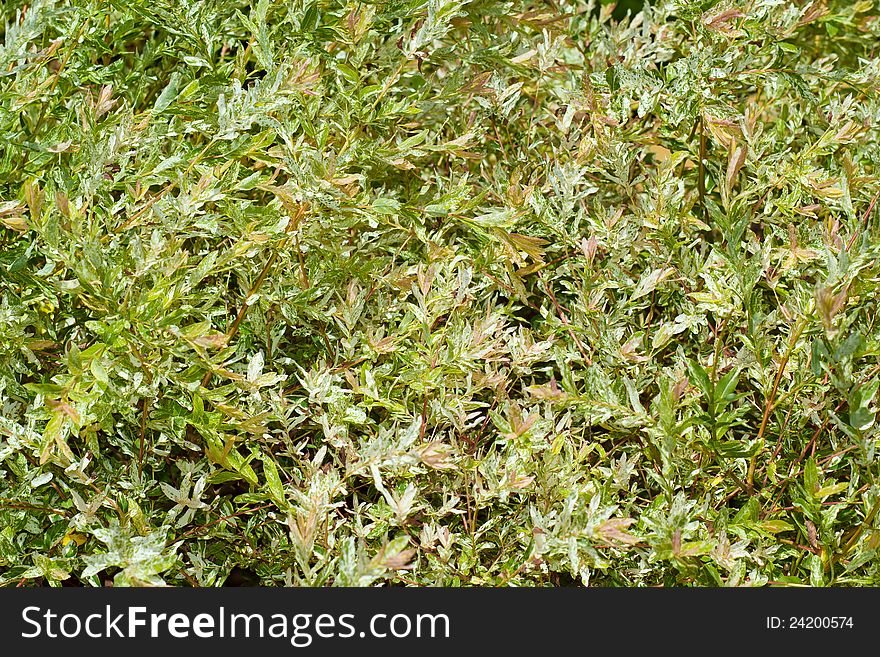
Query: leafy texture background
point(439, 292)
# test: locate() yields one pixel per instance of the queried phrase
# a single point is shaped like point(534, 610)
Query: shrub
point(439, 292)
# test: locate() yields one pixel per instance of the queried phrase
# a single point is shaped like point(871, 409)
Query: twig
point(24, 506)
point(233, 330)
point(145, 406)
point(701, 170)
point(869, 518)
point(864, 220)
point(768, 406)
point(201, 528)
point(564, 319)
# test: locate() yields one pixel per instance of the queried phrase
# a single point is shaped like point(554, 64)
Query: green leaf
point(273, 481)
point(811, 476)
point(309, 21)
point(748, 513)
point(849, 347)
point(700, 379)
point(775, 526)
point(828, 491)
point(99, 371)
point(726, 386)
point(386, 206)
point(48, 390)
point(861, 414)
point(53, 437)
point(169, 93)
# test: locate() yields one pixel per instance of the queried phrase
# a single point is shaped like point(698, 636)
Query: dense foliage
point(444, 292)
